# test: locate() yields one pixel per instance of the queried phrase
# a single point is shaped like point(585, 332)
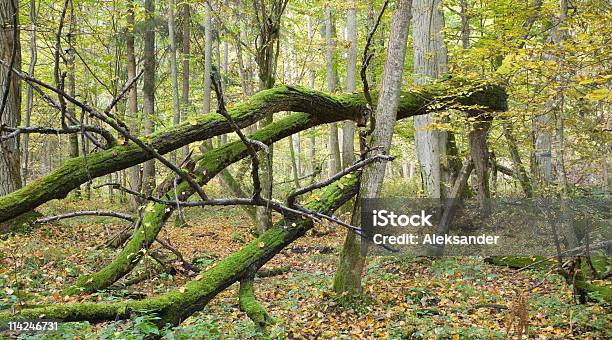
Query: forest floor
point(404, 297)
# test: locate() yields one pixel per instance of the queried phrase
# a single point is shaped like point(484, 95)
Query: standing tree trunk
point(245, 78)
point(479, 151)
point(517, 165)
point(10, 95)
point(148, 91)
point(176, 106)
point(480, 159)
point(186, 56)
point(332, 83)
point(348, 129)
point(73, 139)
point(29, 92)
point(135, 174)
point(541, 159)
point(268, 19)
point(312, 142)
point(430, 61)
point(352, 258)
point(208, 37)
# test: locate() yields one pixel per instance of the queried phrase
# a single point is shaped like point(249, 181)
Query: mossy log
point(320, 108)
point(213, 161)
point(249, 304)
point(582, 286)
point(588, 290)
point(209, 164)
point(175, 306)
point(518, 262)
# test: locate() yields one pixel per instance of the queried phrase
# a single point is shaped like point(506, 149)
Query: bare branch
point(15, 131)
point(121, 94)
point(357, 165)
point(84, 213)
point(34, 83)
point(120, 127)
point(59, 79)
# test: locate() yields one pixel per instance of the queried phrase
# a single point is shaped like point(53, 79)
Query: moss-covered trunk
point(210, 164)
point(318, 107)
point(175, 306)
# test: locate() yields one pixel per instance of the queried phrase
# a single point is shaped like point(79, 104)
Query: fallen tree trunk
point(176, 306)
point(209, 164)
point(320, 108)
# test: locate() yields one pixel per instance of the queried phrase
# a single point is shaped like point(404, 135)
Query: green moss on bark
point(175, 306)
point(317, 107)
point(250, 305)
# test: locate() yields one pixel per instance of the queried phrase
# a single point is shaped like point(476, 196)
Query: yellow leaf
point(261, 244)
point(120, 141)
point(598, 94)
point(193, 121)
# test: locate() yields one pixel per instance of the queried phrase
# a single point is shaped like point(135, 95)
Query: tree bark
point(352, 258)
point(518, 168)
point(29, 93)
point(453, 201)
point(335, 162)
point(176, 106)
point(73, 139)
point(266, 56)
point(186, 55)
point(148, 91)
point(319, 107)
point(134, 121)
point(480, 158)
point(430, 61)
point(207, 57)
point(312, 142)
point(10, 49)
point(348, 129)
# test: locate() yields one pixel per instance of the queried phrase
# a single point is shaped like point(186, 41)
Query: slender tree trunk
point(225, 58)
point(465, 24)
point(29, 92)
point(176, 106)
point(245, 79)
point(335, 162)
point(430, 61)
point(186, 55)
point(405, 164)
point(312, 138)
point(352, 258)
point(73, 139)
point(134, 117)
point(208, 37)
point(480, 158)
point(10, 174)
point(541, 163)
point(559, 37)
point(266, 57)
point(517, 165)
point(348, 129)
point(148, 90)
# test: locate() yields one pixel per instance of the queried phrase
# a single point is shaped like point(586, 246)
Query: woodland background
point(150, 66)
